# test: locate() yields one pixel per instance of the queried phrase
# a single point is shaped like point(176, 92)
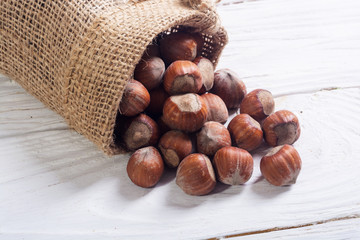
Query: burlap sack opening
point(76, 56)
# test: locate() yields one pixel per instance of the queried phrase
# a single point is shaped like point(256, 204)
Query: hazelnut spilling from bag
point(175, 111)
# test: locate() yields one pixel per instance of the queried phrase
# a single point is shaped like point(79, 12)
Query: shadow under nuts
point(281, 127)
point(281, 165)
point(145, 167)
point(175, 146)
point(233, 165)
point(186, 112)
point(195, 175)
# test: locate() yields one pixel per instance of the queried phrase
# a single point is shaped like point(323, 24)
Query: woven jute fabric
point(76, 56)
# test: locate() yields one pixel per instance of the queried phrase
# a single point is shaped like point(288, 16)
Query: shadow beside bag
point(76, 56)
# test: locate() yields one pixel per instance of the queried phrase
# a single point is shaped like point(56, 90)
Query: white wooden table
point(55, 184)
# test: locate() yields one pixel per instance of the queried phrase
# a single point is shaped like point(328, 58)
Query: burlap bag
point(76, 56)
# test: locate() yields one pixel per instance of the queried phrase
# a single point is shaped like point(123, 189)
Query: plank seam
point(275, 229)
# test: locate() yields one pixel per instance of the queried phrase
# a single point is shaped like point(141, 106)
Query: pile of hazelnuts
point(174, 114)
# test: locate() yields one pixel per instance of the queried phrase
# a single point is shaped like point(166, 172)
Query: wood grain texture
point(55, 184)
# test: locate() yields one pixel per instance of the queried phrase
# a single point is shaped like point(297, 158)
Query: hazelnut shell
point(233, 165)
point(245, 132)
point(145, 167)
point(195, 175)
point(281, 165)
point(281, 127)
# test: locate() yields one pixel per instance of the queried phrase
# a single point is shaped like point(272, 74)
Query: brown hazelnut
point(233, 165)
point(140, 131)
point(281, 165)
point(281, 127)
point(212, 137)
point(195, 175)
point(206, 68)
point(199, 42)
point(175, 146)
point(245, 132)
point(217, 110)
point(186, 112)
point(182, 77)
point(145, 167)
point(258, 104)
point(229, 87)
point(158, 97)
point(152, 50)
point(135, 99)
point(178, 46)
point(150, 72)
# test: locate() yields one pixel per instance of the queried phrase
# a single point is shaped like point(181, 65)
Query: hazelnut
point(150, 72)
point(281, 127)
point(178, 46)
point(158, 97)
point(245, 132)
point(206, 68)
point(135, 99)
point(217, 110)
point(175, 146)
point(258, 104)
point(145, 167)
point(281, 165)
point(182, 77)
point(233, 165)
point(195, 175)
point(152, 50)
point(199, 42)
point(186, 112)
point(212, 137)
point(229, 87)
point(139, 132)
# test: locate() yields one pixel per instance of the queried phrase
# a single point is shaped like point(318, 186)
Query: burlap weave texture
point(76, 56)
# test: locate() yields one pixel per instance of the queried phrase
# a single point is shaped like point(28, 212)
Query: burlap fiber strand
point(76, 56)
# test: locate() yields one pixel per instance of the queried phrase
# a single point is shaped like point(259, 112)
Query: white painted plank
point(334, 230)
point(56, 184)
point(293, 46)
